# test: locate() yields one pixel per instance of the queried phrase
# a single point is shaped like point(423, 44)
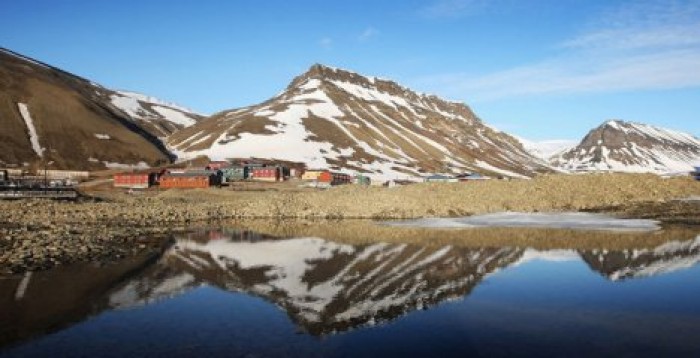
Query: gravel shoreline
point(39, 234)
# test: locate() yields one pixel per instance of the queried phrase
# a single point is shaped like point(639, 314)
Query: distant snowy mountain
point(333, 118)
point(546, 149)
point(632, 147)
point(162, 118)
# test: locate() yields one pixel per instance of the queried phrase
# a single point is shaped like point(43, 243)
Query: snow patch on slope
point(174, 116)
point(33, 137)
point(153, 100)
point(133, 105)
point(289, 143)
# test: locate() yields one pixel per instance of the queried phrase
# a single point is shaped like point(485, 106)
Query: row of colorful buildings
point(224, 173)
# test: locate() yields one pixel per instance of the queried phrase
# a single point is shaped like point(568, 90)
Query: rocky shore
point(38, 234)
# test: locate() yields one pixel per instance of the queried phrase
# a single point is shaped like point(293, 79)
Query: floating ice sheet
point(578, 221)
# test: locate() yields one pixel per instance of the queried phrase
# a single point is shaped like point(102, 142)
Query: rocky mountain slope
point(332, 118)
point(632, 147)
point(49, 115)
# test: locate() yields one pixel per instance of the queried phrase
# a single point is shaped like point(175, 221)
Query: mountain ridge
point(339, 119)
point(626, 146)
point(326, 117)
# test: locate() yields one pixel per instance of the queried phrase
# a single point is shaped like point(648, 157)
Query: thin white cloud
point(326, 43)
point(639, 47)
point(367, 34)
point(643, 25)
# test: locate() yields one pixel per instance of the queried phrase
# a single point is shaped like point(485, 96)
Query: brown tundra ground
point(38, 234)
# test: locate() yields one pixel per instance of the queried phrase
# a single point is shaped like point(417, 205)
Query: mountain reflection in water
point(324, 286)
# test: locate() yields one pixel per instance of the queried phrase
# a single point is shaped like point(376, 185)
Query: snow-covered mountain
point(333, 118)
point(632, 147)
point(50, 115)
point(160, 117)
point(546, 149)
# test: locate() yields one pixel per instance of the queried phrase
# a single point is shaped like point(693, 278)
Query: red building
point(135, 180)
point(266, 174)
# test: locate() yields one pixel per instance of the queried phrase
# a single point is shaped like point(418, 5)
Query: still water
point(228, 292)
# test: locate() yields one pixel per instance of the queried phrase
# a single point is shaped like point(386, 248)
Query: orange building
point(184, 181)
point(333, 178)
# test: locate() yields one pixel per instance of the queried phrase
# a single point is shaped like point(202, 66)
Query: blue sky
point(538, 69)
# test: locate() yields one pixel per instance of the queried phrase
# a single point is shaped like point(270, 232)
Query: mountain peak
point(328, 73)
point(622, 146)
point(613, 122)
point(319, 70)
point(335, 118)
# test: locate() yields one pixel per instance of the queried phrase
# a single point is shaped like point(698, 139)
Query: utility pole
point(46, 180)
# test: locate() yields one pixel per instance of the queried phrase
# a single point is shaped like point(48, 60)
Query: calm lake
point(232, 292)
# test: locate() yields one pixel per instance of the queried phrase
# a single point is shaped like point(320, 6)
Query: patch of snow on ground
point(130, 105)
point(372, 95)
point(153, 100)
point(102, 136)
point(33, 137)
point(577, 221)
point(174, 116)
point(264, 113)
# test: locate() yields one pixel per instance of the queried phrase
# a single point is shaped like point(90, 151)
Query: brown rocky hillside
point(49, 115)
